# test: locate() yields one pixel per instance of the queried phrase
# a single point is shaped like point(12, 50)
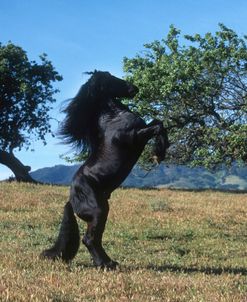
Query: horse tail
point(68, 241)
point(161, 144)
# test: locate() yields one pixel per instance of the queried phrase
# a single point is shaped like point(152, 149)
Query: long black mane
point(80, 113)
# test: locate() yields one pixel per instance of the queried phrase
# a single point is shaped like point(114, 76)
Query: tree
point(26, 93)
point(199, 90)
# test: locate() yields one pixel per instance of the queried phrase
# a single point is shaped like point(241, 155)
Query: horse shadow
point(191, 270)
point(175, 269)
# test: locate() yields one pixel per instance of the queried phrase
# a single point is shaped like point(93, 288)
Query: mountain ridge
point(171, 176)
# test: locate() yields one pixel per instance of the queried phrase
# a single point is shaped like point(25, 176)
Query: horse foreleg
point(141, 136)
point(153, 129)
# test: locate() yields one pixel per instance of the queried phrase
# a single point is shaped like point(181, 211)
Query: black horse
point(114, 137)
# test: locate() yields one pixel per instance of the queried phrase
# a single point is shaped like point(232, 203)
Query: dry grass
point(172, 246)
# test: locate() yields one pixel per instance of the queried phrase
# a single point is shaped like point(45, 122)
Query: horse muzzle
point(133, 90)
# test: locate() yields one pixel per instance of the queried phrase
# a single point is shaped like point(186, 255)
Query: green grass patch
point(172, 246)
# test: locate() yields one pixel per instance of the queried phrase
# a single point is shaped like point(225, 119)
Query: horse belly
point(110, 172)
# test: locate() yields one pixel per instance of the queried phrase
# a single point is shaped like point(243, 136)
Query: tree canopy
point(197, 85)
point(26, 95)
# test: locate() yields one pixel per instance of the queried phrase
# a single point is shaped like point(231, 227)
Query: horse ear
point(98, 84)
point(94, 85)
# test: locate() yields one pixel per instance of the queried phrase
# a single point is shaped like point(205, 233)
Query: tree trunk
point(20, 171)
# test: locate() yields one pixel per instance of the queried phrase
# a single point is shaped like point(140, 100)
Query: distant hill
point(173, 176)
point(59, 174)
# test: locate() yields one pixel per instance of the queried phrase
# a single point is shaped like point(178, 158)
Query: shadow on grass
point(205, 270)
point(194, 190)
point(233, 191)
point(176, 269)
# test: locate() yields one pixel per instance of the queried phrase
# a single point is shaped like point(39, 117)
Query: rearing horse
point(114, 137)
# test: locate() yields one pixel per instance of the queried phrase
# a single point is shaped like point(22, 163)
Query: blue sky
point(85, 35)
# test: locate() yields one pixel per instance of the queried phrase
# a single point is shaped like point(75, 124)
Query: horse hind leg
point(68, 241)
point(93, 238)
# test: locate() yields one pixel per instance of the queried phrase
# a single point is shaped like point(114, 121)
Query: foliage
point(172, 246)
point(26, 93)
point(199, 90)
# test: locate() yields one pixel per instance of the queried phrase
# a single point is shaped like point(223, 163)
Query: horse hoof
point(50, 254)
point(109, 266)
point(112, 265)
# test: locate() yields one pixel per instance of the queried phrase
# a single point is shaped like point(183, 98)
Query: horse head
point(105, 85)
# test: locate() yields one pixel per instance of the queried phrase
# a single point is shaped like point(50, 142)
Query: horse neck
point(106, 112)
point(113, 107)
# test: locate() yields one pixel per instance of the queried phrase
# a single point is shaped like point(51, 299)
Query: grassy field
point(172, 246)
